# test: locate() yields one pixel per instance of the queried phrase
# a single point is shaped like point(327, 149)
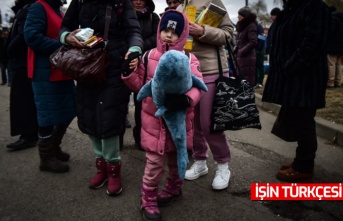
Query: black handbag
point(84, 64)
point(234, 106)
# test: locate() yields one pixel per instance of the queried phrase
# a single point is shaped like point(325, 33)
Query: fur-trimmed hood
point(242, 24)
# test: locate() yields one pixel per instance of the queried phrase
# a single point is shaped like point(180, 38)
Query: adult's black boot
point(57, 137)
point(48, 160)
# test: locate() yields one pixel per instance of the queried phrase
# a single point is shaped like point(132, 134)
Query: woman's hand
point(72, 40)
point(196, 30)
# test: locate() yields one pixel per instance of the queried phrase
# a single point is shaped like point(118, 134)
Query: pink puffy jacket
point(155, 136)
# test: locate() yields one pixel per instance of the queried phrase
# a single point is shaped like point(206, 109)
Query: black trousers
point(304, 126)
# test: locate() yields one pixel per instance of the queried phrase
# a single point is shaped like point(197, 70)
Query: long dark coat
point(23, 115)
point(245, 50)
point(101, 110)
point(298, 66)
point(148, 21)
point(55, 100)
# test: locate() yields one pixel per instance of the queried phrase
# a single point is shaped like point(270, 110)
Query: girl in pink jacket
point(155, 137)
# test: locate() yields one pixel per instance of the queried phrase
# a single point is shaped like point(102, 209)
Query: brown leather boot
point(48, 159)
point(285, 166)
point(57, 137)
point(100, 177)
point(292, 176)
point(114, 179)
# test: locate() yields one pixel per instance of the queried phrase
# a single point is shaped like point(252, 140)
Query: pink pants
point(202, 136)
point(154, 168)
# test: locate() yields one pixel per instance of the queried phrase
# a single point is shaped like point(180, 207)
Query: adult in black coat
point(273, 14)
point(23, 116)
point(101, 110)
point(148, 20)
point(297, 80)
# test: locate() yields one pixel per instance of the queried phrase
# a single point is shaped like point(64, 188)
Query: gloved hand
point(125, 68)
point(176, 102)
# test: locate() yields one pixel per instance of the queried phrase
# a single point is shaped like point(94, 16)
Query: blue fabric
point(55, 101)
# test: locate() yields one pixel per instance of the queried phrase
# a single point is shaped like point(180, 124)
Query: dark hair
point(275, 11)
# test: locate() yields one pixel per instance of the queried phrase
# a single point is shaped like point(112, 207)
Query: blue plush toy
point(173, 76)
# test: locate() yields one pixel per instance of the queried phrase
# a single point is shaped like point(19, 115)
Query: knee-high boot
point(48, 159)
point(149, 203)
point(170, 192)
point(57, 137)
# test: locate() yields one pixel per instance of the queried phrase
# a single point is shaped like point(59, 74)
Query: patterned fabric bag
point(234, 106)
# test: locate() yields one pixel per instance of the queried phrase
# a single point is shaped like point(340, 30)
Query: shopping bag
point(234, 106)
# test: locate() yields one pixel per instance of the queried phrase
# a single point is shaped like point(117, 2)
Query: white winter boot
point(199, 168)
point(221, 180)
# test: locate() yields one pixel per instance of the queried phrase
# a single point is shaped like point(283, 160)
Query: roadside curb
point(326, 129)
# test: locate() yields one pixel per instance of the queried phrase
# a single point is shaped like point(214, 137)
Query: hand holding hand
point(72, 40)
point(130, 64)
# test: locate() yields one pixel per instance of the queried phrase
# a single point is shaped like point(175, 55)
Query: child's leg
point(172, 188)
point(153, 174)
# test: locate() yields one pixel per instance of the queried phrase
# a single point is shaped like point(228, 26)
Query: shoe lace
point(221, 170)
point(196, 164)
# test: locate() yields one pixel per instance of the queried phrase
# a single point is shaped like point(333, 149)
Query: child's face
point(169, 36)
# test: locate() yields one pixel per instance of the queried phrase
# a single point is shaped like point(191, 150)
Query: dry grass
point(334, 105)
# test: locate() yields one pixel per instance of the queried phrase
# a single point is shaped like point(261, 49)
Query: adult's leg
point(202, 135)
point(331, 65)
point(3, 73)
point(338, 71)
point(305, 126)
point(48, 160)
point(259, 67)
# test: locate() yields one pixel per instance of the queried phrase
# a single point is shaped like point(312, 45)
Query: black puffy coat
point(101, 110)
point(149, 24)
point(298, 65)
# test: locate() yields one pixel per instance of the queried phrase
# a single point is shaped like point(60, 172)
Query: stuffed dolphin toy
point(173, 76)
